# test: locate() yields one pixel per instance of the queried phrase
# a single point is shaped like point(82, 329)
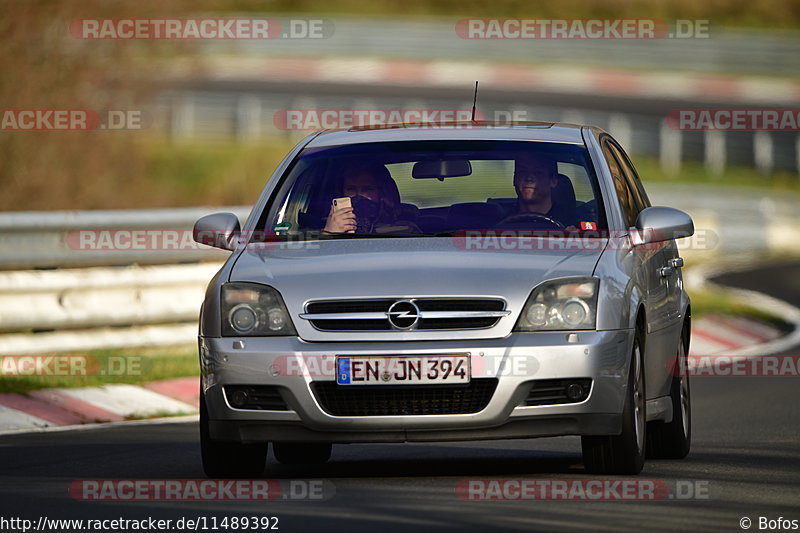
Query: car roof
point(477, 130)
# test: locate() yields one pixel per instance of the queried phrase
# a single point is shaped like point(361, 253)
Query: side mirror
point(657, 224)
point(220, 230)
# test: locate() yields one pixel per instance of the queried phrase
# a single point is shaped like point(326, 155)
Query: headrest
point(564, 192)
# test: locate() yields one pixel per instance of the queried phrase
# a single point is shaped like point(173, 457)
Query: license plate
point(383, 370)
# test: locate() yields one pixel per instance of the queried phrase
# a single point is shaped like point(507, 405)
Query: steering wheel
point(519, 220)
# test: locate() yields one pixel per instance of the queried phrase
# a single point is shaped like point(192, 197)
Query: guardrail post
point(763, 153)
point(414, 103)
point(304, 104)
point(670, 149)
point(248, 118)
point(715, 156)
point(362, 104)
point(182, 117)
point(797, 153)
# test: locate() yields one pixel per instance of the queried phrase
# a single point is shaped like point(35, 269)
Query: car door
point(672, 262)
point(649, 259)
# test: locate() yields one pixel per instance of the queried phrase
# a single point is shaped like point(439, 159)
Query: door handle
point(676, 262)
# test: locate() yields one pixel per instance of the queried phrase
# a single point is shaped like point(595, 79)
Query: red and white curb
point(729, 337)
point(91, 405)
point(690, 86)
point(713, 335)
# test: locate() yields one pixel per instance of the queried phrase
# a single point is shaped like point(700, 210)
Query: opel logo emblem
point(403, 314)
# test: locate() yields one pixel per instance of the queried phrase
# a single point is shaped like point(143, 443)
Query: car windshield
point(435, 188)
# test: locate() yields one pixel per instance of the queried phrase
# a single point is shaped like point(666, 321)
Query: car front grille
point(554, 392)
point(399, 400)
point(434, 314)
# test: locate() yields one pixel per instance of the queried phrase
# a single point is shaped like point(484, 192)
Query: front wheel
point(228, 459)
point(674, 439)
point(623, 453)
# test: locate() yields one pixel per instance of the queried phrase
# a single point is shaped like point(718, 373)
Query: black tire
point(673, 440)
point(229, 459)
point(302, 453)
point(623, 453)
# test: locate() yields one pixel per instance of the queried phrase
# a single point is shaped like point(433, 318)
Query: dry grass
point(44, 68)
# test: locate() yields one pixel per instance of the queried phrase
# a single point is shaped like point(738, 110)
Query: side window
point(292, 209)
point(624, 193)
point(631, 175)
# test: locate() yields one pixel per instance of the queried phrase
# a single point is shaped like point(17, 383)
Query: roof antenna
point(474, 100)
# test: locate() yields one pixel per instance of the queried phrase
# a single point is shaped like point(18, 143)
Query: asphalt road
point(745, 458)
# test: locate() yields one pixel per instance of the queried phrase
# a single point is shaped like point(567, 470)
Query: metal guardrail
point(42, 239)
point(102, 296)
point(75, 309)
point(731, 220)
point(132, 291)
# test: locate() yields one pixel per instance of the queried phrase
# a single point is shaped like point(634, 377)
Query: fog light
point(575, 392)
point(239, 398)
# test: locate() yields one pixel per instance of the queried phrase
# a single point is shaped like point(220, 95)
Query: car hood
point(406, 268)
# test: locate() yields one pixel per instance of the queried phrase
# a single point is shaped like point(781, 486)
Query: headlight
point(250, 309)
point(561, 305)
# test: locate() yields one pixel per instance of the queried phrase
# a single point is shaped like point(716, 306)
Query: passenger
point(375, 203)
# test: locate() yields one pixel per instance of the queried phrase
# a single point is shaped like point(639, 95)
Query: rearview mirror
point(220, 230)
point(441, 169)
point(657, 224)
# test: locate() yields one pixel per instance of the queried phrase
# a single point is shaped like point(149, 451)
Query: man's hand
point(341, 221)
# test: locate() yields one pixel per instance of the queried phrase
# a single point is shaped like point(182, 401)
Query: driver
point(535, 180)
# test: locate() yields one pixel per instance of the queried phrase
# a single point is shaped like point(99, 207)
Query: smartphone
point(342, 203)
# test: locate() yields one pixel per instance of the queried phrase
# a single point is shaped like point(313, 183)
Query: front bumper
point(516, 361)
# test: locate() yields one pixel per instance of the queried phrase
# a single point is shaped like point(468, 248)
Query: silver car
point(447, 282)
